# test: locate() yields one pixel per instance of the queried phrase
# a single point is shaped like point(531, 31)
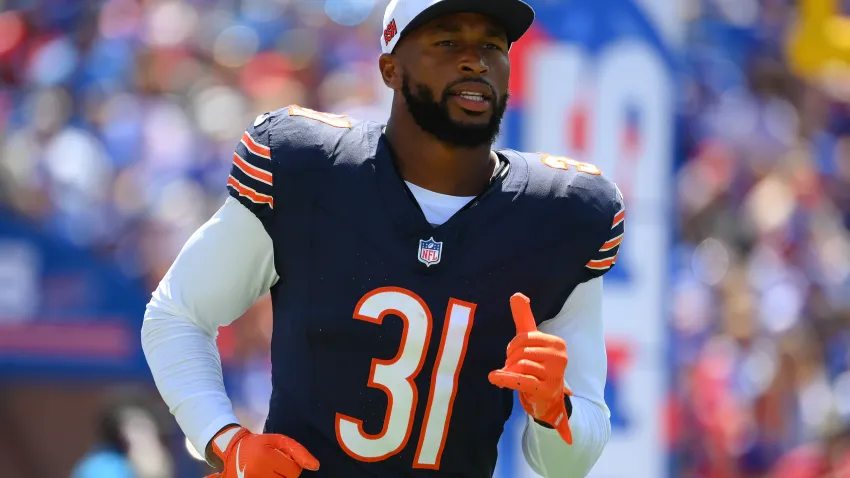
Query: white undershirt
point(229, 263)
point(438, 208)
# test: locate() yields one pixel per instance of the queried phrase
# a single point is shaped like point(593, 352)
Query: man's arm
point(221, 271)
point(579, 324)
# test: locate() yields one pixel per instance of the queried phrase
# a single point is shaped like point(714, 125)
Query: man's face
point(455, 78)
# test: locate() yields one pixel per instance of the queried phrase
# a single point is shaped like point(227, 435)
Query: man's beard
point(434, 117)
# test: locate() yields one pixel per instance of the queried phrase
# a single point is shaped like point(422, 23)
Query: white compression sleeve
point(579, 323)
point(222, 270)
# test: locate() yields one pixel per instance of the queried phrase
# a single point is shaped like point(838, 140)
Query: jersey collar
point(403, 210)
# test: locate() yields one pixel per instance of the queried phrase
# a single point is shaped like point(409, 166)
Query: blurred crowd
point(118, 119)
point(761, 298)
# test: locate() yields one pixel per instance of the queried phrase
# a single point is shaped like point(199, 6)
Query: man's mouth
point(472, 96)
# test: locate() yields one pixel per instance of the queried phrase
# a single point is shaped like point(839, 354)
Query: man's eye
point(492, 46)
point(445, 43)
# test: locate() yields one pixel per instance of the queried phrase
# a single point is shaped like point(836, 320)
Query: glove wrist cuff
point(224, 440)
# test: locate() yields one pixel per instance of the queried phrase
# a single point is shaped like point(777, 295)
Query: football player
point(418, 277)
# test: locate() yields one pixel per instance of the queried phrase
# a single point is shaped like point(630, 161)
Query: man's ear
point(390, 70)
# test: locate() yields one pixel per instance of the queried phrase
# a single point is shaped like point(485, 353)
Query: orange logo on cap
point(390, 32)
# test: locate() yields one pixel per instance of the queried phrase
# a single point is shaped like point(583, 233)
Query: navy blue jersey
point(386, 327)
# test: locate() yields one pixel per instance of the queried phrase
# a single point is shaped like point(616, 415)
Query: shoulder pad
point(295, 129)
point(601, 208)
point(278, 147)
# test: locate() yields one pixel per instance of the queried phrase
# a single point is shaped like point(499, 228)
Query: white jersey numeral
point(395, 377)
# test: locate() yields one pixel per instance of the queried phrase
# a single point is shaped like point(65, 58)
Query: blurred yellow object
point(820, 39)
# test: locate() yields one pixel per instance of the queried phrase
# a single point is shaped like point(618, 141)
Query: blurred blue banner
point(63, 312)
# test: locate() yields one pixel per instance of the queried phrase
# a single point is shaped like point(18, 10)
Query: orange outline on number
point(563, 162)
point(336, 121)
point(458, 331)
point(434, 376)
point(375, 362)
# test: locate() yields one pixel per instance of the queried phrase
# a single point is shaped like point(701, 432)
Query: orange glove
point(535, 367)
point(249, 455)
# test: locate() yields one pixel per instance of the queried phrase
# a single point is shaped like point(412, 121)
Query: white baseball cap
point(401, 16)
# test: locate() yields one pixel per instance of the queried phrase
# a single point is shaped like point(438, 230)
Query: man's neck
point(431, 164)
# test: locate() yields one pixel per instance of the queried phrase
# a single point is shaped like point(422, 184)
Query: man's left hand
point(535, 367)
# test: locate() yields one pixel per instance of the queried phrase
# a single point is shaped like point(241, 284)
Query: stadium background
point(725, 122)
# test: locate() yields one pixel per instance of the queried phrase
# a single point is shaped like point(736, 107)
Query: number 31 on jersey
point(395, 377)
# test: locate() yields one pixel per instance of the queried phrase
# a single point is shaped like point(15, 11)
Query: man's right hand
point(248, 455)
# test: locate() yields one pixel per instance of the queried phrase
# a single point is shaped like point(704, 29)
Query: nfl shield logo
point(430, 251)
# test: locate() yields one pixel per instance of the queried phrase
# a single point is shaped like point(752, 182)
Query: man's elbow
point(163, 320)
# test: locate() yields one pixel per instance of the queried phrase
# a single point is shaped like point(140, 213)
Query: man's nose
point(473, 61)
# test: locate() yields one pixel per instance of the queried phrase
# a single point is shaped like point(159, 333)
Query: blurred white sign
point(19, 279)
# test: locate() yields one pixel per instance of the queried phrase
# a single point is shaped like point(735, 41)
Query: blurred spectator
point(128, 445)
point(109, 458)
point(831, 458)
